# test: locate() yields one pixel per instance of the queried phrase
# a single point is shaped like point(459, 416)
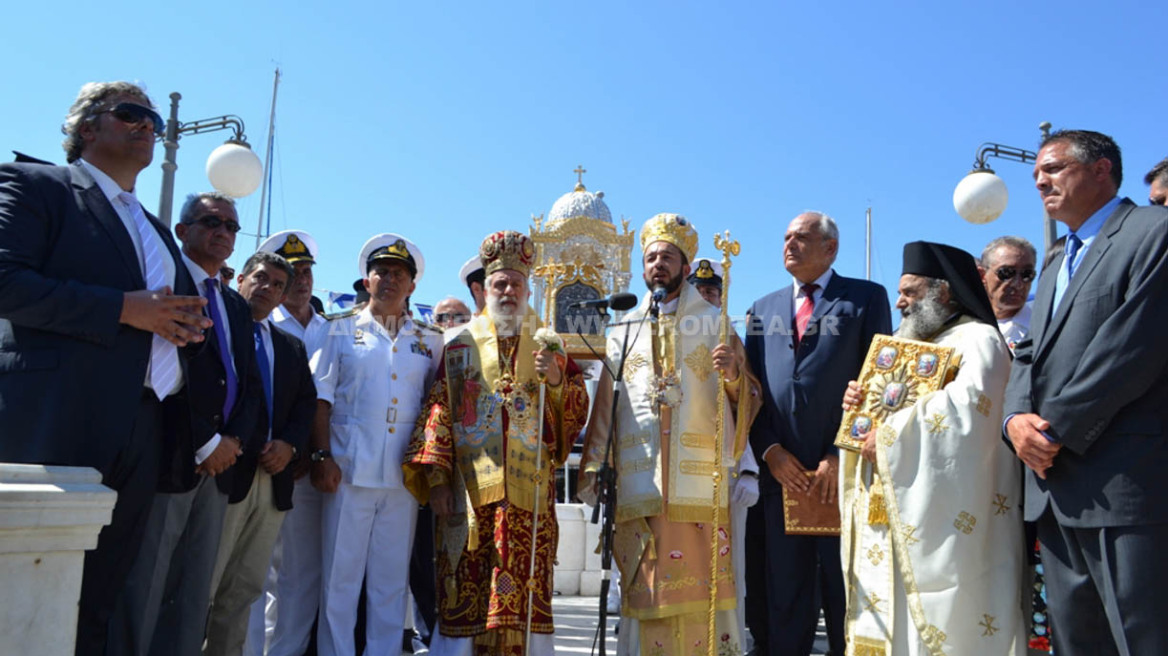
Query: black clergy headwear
point(956, 267)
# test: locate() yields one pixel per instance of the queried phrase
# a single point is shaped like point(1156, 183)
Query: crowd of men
point(289, 483)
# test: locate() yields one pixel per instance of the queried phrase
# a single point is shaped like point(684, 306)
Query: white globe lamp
point(980, 197)
point(234, 169)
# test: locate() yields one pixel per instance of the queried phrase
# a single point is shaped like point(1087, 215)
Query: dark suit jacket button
point(222, 382)
point(218, 419)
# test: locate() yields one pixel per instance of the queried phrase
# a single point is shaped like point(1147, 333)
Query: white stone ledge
point(49, 517)
point(45, 508)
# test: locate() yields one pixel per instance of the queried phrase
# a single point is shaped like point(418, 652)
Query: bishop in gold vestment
point(473, 456)
point(664, 455)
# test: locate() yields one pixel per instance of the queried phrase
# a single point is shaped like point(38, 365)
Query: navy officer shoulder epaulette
point(344, 314)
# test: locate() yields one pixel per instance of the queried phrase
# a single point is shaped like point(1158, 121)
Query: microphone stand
point(606, 481)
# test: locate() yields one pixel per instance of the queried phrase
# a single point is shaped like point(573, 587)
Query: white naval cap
point(392, 247)
point(473, 264)
point(292, 245)
point(706, 271)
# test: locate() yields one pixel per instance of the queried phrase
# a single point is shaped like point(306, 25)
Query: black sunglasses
point(132, 113)
point(211, 222)
point(444, 316)
point(1006, 272)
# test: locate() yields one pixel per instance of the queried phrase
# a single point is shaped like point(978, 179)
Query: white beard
point(507, 321)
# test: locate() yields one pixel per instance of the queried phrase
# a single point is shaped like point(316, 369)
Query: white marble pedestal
point(577, 563)
point(570, 552)
point(49, 517)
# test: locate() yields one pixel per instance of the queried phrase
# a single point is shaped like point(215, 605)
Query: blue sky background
point(445, 121)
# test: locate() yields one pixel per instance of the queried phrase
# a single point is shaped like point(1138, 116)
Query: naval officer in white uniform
point(372, 372)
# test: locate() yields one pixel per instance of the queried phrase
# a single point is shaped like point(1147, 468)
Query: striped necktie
point(164, 369)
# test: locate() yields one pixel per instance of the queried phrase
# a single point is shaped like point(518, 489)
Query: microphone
point(659, 294)
point(620, 302)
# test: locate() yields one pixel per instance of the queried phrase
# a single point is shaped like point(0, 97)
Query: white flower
point(548, 340)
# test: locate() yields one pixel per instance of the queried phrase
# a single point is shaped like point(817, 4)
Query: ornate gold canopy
point(579, 256)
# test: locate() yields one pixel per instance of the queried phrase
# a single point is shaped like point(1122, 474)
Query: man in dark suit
point(805, 341)
point(164, 608)
point(1087, 405)
point(93, 310)
point(261, 481)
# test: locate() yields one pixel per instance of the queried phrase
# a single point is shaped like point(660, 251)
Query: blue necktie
point(1073, 245)
point(1062, 280)
point(265, 371)
point(212, 286)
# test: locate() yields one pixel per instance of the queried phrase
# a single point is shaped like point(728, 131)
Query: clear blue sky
point(444, 121)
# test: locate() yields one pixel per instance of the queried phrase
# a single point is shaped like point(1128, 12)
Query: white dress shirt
point(111, 191)
point(797, 298)
point(310, 335)
point(1016, 328)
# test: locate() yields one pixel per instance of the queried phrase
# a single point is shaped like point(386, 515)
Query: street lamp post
point(232, 168)
point(981, 196)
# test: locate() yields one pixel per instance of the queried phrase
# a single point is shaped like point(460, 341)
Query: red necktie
point(803, 315)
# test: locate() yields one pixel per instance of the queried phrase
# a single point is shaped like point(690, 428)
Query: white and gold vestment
point(939, 571)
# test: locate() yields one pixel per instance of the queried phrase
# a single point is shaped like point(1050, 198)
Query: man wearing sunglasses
point(1007, 271)
point(164, 606)
point(451, 313)
point(93, 311)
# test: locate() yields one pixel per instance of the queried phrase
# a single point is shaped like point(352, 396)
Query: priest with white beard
point(935, 568)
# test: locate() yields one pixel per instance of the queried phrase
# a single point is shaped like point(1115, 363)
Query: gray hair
point(261, 258)
point(89, 103)
point(1008, 241)
point(827, 227)
point(191, 206)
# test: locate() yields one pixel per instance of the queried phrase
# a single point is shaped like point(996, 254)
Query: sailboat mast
point(868, 245)
point(267, 179)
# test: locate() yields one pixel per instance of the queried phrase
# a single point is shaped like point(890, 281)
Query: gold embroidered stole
point(670, 364)
point(480, 389)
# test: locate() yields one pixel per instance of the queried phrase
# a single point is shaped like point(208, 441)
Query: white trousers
point(296, 593)
point(543, 644)
point(368, 535)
